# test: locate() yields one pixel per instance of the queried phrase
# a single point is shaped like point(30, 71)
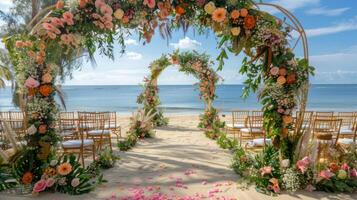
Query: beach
point(178, 163)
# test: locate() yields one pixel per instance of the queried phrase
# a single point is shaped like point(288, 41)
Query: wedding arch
point(62, 33)
point(196, 64)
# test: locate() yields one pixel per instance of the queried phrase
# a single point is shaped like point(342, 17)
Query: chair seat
point(98, 132)
point(68, 127)
point(66, 133)
point(77, 143)
point(253, 130)
point(111, 126)
point(346, 131)
point(259, 142)
point(235, 126)
point(346, 141)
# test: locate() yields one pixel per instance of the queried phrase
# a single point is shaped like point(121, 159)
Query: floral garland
point(73, 27)
point(189, 63)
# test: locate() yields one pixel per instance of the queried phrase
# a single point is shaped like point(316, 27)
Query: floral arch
point(192, 63)
point(64, 32)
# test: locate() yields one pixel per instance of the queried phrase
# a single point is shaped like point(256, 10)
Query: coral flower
point(282, 71)
point(57, 22)
point(219, 15)
point(64, 169)
point(235, 14)
point(42, 128)
point(27, 178)
point(59, 4)
point(19, 44)
point(48, 26)
point(45, 90)
point(180, 10)
point(326, 174)
point(68, 18)
point(40, 186)
point(249, 22)
point(333, 167)
point(83, 3)
point(99, 3)
point(287, 119)
point(265, 170)
point(243, 12)
point(106, 10)
point(275, 186)
point(51, 35)
point(150, 3)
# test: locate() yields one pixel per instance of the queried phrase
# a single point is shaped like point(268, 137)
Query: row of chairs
point(341, 127)
point(82, 132)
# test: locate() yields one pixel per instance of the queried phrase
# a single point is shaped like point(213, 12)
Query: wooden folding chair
point(254, 133)
point(95, 129)
point(113, 125)
point(239, 121)
point(348, 124)
point(68, 125)
point(323, 115)
point(79, 145)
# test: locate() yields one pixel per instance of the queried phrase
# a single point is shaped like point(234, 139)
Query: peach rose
point(281, 80)
point(243, 12)
point(235, 14)
point(282, 71)
point(47, 78)
point(59, 4)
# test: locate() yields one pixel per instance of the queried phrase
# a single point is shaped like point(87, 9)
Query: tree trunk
point(34, 8)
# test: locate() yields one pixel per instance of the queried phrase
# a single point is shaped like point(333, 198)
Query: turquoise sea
point(185, 99)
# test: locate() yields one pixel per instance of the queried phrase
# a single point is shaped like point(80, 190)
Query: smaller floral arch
point(190, 62)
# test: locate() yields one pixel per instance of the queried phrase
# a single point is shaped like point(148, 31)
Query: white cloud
point(133, 55)
point(6, 2)
point(291, 5)
point(327, 12)
point(337, 28)
point(131, 42)
point(186, 43)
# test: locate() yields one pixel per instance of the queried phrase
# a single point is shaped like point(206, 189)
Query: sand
point(179, 162)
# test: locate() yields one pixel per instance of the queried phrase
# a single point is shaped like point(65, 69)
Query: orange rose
point(282, 71)
point(235, 14)
point(179, 10)
point(291, 78)
point(45, 90)
point(27, 178)
point(243, 12)
point(59, 4)
point(249, 22)
point(281, 80)
point(334, 167)
point(42, 128)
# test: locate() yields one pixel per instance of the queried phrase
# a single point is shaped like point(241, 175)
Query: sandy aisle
point(179, 162)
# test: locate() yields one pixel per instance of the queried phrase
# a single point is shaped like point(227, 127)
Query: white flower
point(53, 163)
point(75, 182)
point(285, 163)
point(32, 130)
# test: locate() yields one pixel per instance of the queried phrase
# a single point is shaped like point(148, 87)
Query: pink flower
point(95, 16)
point(51, 35)
point(99, 3)
point(66, 39)
point(150, 3)
point(303, 164)
point(106, 10)
point(48, 26)
point(200, 2)
point(274, 71)
point(107, 18)
point(40, 186)
point(265, 170)
point(310, 188)
point(326, 174)
point(19, 44)
point(31, 83)
point(108, 25)
point(281, 110)
point(68, 18)
point(345, 167)
point(57, 22)
point(275, 185)
point(353, 173)
point(50, 182)
point(75, 182)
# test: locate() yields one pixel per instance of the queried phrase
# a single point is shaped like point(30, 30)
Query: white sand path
point(179, 162)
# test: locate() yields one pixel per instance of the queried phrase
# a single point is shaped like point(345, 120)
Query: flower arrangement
point(107, 159)
point(52, 45)
point(141, 124)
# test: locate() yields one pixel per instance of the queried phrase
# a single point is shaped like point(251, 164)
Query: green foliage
point(128, 143)
point(6, 177)
point(227, 143)
point(107, 159)
point(242, 161)
point(337, 185)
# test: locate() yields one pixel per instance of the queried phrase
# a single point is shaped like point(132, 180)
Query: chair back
point(348, 119)
point(255, 122)
point(16, 120)
point(327, 129)
point(324, 115)
point(257, 113)
point(68, 124)
point(240, 117)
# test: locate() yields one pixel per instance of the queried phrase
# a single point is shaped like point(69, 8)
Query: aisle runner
point(214, 191)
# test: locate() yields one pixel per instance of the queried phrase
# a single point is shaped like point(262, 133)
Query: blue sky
point(331, 26)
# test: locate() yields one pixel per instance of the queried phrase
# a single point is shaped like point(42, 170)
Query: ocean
point(185, 99)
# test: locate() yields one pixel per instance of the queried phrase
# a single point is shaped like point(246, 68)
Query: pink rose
point(99, 3)
point(40, 186)
point(265, 170)
point(48, 26)
point(345, 167)
point(106, 10)
point(150, 3)
point(353, 173)
point(274, 71)
point(50, 182)
point(75, 182)
point(68, 18)
point(57, 22)
point(326, 174)
point(31, 83)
